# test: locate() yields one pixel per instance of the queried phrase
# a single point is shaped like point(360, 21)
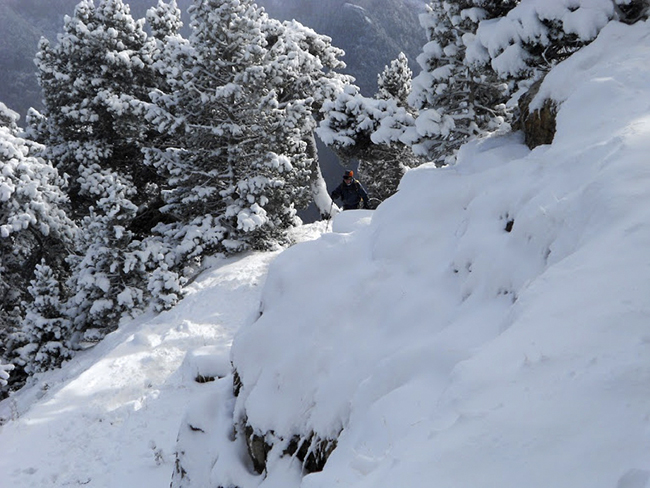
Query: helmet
point(348, 174)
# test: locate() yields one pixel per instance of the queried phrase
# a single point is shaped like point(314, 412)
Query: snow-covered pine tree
point(389, 158)
point(304, 75)
point(93, 80)
point(349, 122)
point(46, 328)
point(164, 20)
point(526, 39)
point(264, 162)
point(172, 57)
point(108, 278)
point(456, 100)
point(33, 226)
point(96, 82)
point(298, 75)
point(201, 115)
point(242, 122)
point(395, 81)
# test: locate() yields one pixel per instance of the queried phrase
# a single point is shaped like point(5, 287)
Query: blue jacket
point(351, 195)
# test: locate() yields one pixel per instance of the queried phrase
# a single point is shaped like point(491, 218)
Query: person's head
point(348, 176)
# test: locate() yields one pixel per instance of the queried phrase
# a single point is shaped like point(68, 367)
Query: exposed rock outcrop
point(539, 125)
point(310, 450)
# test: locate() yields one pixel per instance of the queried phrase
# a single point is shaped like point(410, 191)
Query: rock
point(312, 451)
point(538, 126)
point(236, 383)
point(258, 448)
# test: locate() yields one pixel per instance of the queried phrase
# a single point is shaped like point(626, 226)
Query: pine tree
point(389, 157)
point(395, 81)
point(33, 226)
point(455, 100)
point(523, 42)
point(450, 101)
point(164, 20)
point(241, 122)
point(202, 115)
point(46, 329)
point(304, 75)
point(94, 80)
point(108, 277)
point(171, 56)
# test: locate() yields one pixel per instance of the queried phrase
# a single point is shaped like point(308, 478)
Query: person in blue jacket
point(350, 192)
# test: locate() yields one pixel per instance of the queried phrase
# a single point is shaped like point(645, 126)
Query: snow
point(110, 405)
point(4, 373)
point(528, 23)
point(486, 326)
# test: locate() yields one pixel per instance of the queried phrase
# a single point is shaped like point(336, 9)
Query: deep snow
point(488, 326)
point(111, 416)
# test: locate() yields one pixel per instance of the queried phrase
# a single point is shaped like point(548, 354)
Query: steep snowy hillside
point(488, 326)
point(110, 417)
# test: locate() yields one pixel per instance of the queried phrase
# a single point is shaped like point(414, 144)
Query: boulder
point(539, 125)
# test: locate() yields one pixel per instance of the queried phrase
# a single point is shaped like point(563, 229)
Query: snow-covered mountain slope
point(110, 417)
point(488, 326)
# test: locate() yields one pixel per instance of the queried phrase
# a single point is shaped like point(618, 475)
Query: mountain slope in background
point(372, 32)
point(18, 42)
point(22, 24)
